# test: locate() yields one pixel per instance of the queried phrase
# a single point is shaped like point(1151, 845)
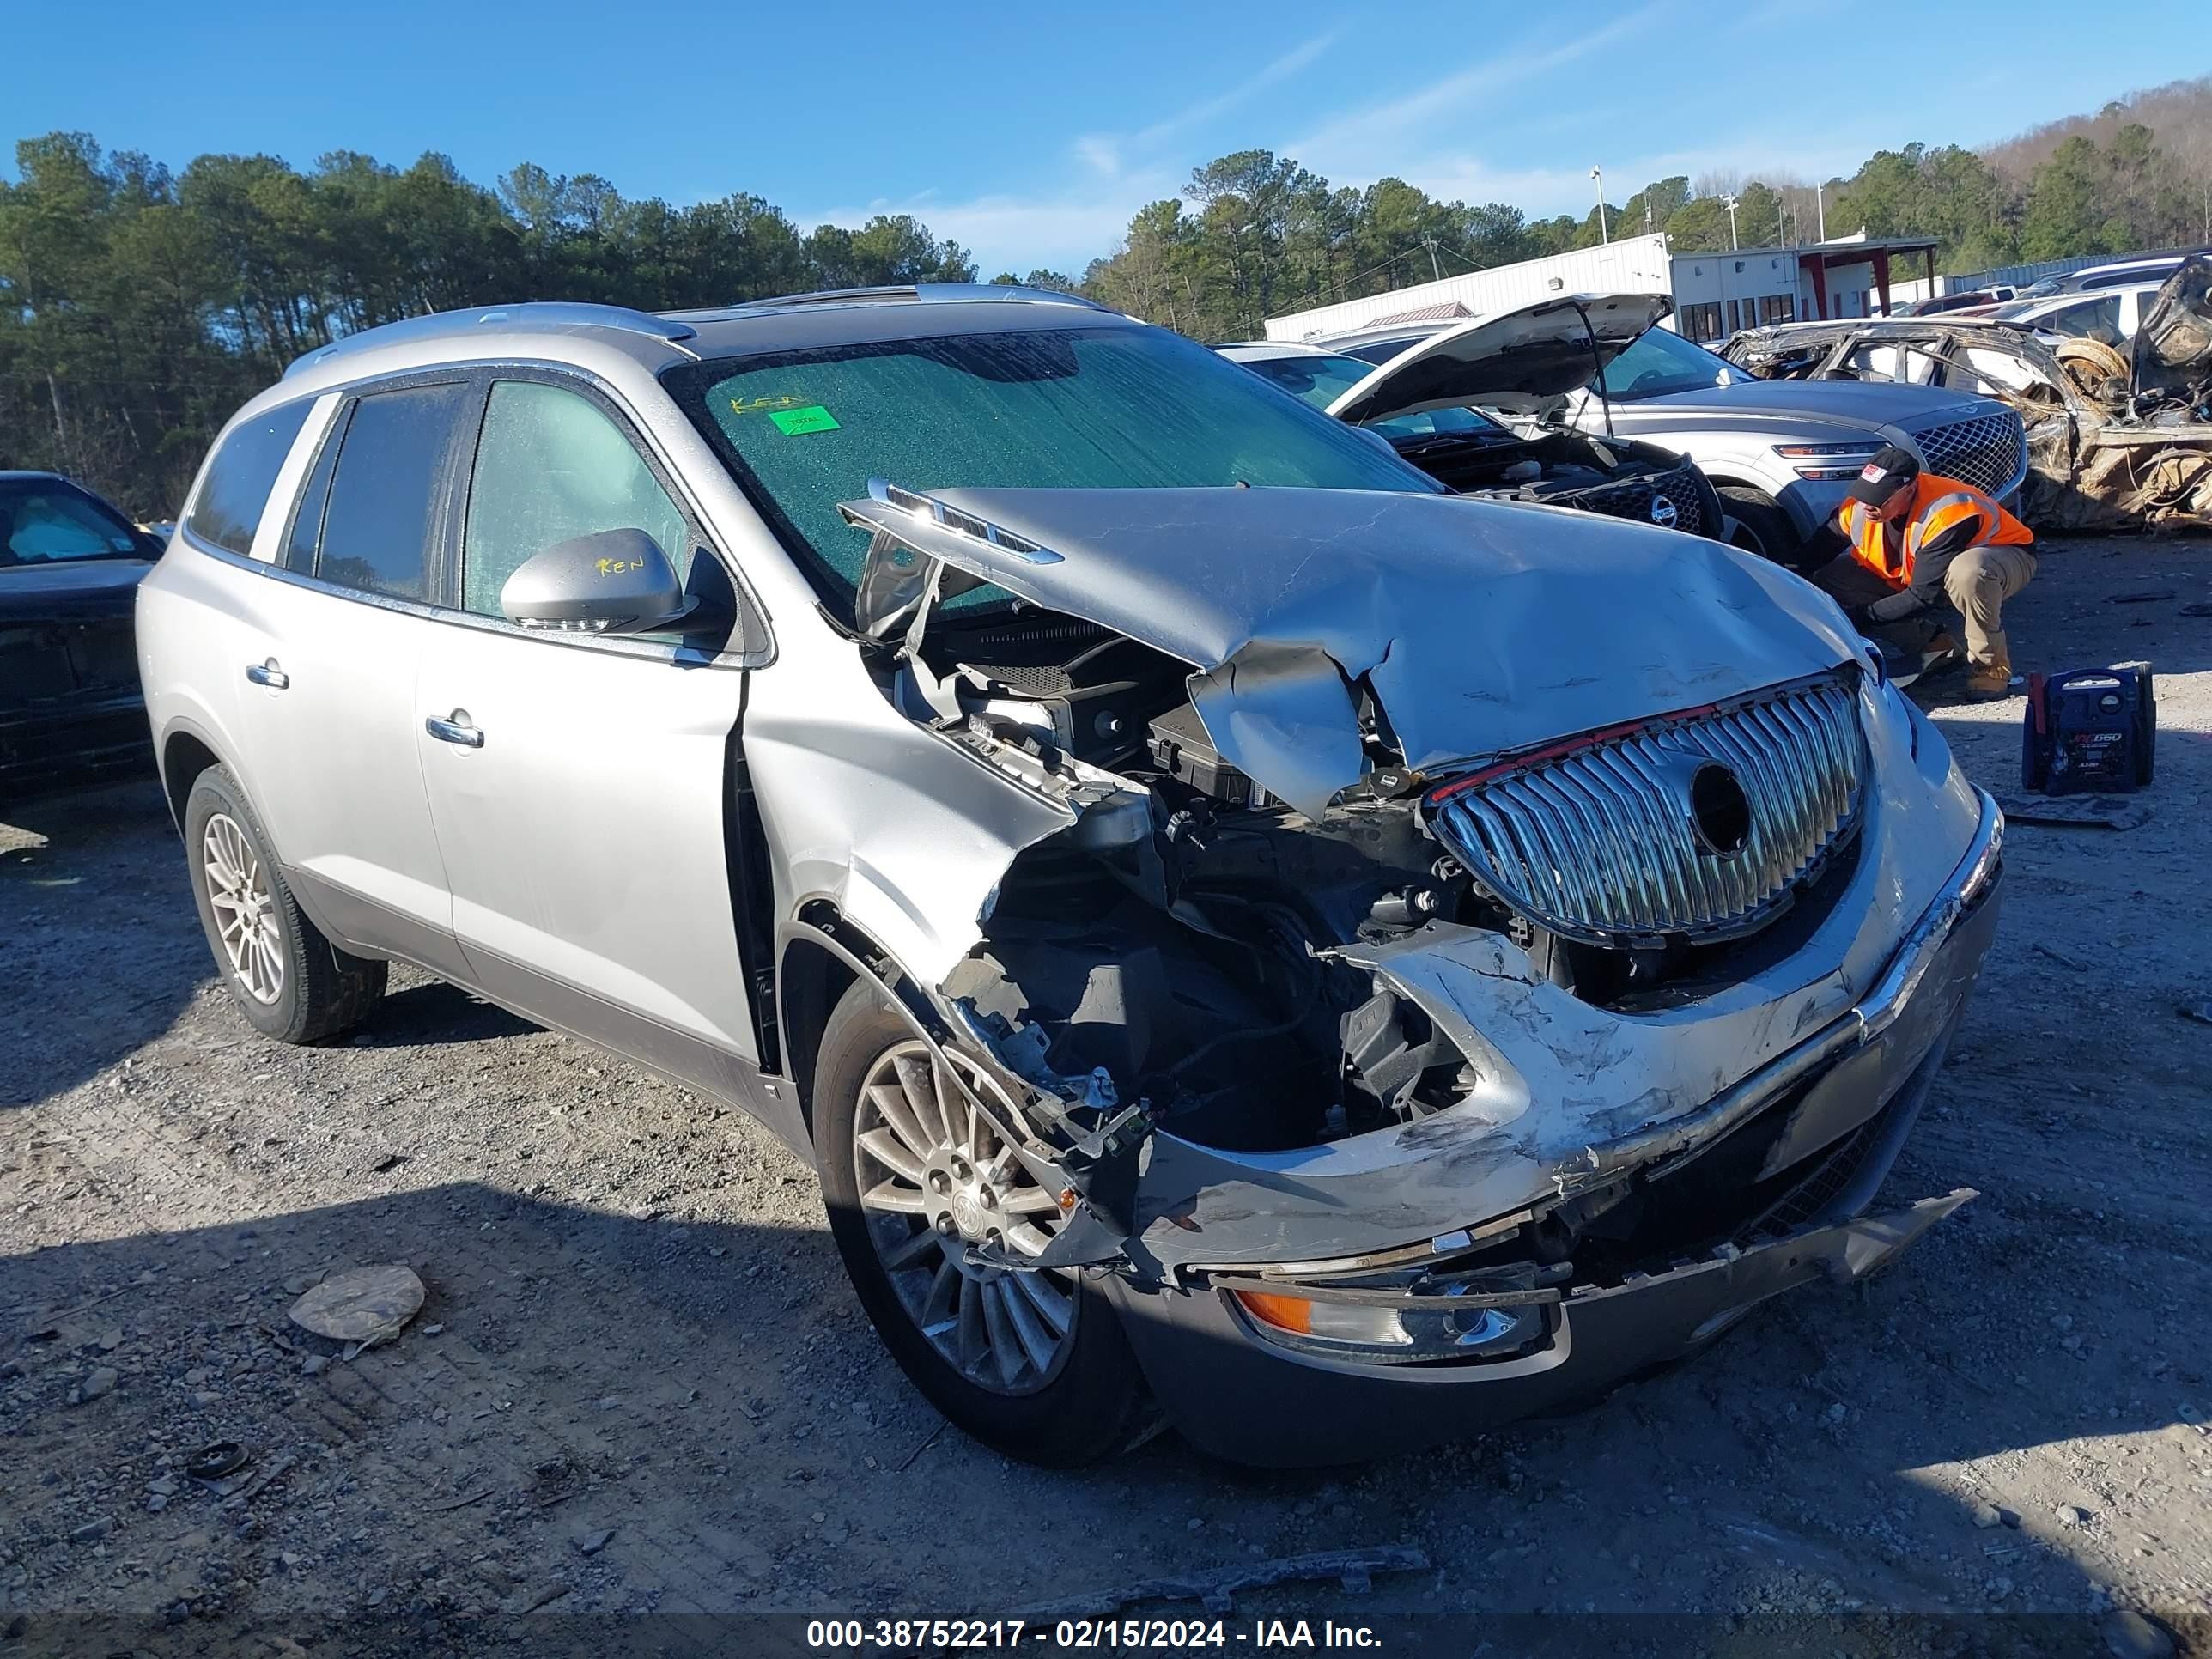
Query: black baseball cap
point(1882, 477)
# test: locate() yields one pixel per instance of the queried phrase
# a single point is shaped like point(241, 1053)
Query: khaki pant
point(1978, 583)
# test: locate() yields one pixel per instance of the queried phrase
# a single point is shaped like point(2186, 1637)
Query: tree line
point(1255, 234)
point(138, 307)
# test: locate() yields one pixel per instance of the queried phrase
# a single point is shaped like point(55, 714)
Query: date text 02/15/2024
point(1080, 1635)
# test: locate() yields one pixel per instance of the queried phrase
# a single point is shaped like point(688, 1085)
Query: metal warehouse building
point(1715, 294)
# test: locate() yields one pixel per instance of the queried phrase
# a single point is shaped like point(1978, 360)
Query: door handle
point(269, 674)
point(459, 729)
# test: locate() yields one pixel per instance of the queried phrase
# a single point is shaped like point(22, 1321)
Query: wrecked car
point(1248, 937)
point(1427, 406)
point(2117, 438)
point(1779, 456)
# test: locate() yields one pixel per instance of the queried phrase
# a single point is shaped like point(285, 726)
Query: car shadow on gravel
point(628, 1414)
point(104, 945)
point(433, 1012)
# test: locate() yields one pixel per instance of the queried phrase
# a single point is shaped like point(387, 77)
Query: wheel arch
point(186, 752)
point(820, 955)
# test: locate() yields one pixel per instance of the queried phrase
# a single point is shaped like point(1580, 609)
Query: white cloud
point(1063, 231)
point(1066, 229)
point(1101, 152)
point(1374, 141)
point(1280, 68)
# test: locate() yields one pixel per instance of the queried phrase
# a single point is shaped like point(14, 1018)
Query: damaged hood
point(1538, 351)
point(1481, 627)
point(2173, 345)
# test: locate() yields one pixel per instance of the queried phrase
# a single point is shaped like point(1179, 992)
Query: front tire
point(287, 978)
point(1762, 527)
point(1033, 1365)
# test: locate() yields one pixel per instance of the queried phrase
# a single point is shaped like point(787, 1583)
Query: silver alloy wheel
point(245, 911)
point(934, 1178)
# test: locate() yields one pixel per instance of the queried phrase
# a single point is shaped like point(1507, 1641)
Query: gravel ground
point(640, 1383)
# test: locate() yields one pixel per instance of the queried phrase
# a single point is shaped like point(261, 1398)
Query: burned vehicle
point(1427, 405)
point(1246, 936)
point(2118, 439)
point(70, 567)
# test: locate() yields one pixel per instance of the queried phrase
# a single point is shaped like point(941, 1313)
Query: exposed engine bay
point(1620, 478)
point(1181, 946)
point(1346, 922)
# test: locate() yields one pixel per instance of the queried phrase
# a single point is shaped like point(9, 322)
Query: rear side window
point(551, 466)
point(307, 521)
point(380, 527)
point(241, 477)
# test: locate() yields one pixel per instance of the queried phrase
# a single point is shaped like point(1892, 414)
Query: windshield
point(1106, 408)
point(44, 521)
point(1661, 361)
point(1321, 377)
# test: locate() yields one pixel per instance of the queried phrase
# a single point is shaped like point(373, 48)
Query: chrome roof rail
point(923, 292)
point(553, 316)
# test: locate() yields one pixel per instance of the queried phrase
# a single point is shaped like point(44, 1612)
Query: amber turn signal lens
point(1284, 1313)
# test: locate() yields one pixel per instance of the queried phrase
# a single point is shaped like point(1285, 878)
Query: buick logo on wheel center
point(1663, 511)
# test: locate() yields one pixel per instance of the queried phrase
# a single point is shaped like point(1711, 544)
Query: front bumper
point(72, 740)
point(1246, 1397)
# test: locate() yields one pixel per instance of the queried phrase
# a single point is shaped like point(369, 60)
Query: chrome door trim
point(454, 732)
point(635, 427)
point(686, 656)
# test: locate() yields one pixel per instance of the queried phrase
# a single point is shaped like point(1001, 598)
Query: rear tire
point(1086, 1403)
point(1761, 527)
point(287, 978)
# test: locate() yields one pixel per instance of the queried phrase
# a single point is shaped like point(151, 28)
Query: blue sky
point(1031, 134)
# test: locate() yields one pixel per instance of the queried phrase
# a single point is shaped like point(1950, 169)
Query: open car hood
point(1479, 627)
point(1536, 352)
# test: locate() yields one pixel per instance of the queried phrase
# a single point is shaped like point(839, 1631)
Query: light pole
point(1821, 204)
point(1598, 175)
point(1730, 202)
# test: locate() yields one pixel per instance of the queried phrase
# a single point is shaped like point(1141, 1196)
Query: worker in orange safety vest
point(1915, 538)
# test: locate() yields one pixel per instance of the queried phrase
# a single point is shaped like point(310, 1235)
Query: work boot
point(1941, 652)
point(1989, 681)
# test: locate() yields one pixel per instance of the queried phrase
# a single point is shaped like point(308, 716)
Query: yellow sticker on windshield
point(764, 406)
point(812, 418)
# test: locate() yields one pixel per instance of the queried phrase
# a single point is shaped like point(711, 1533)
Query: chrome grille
point(1600, 841)
point(1988, 452)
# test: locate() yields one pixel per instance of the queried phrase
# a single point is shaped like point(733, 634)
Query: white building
point(1715, 294)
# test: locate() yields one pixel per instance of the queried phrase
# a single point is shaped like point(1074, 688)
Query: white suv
point(1242, 933)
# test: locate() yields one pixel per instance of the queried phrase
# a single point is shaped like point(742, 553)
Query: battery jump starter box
point(2089, 731)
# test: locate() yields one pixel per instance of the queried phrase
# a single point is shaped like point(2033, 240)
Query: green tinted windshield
point(1111, 407)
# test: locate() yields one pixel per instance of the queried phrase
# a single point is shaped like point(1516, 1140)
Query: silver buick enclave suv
point(1245, 935)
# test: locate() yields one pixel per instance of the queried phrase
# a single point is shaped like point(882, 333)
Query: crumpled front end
point(1362, 1056)
point(1625, 1253)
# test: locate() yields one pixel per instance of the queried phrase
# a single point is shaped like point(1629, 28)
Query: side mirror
point(612, 581)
